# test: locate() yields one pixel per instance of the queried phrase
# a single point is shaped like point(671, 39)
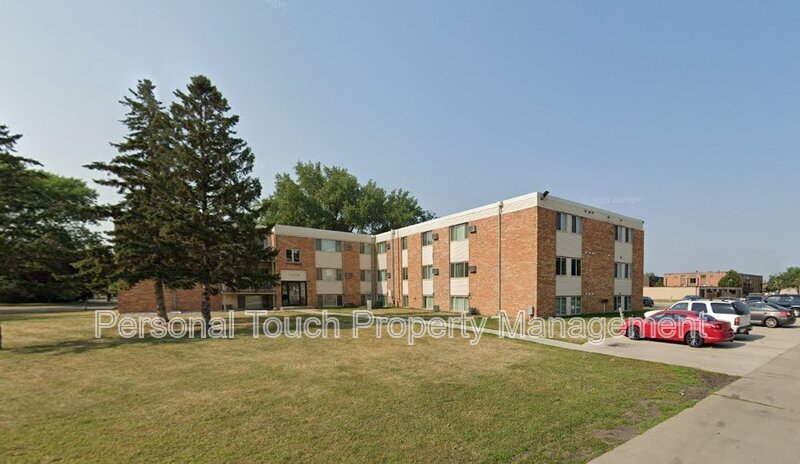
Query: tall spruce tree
point(145, 223)
point(219, 198)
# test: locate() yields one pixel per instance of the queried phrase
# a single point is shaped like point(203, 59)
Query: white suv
point(735, 312)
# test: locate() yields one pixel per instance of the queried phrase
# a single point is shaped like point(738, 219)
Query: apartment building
point(535, 253)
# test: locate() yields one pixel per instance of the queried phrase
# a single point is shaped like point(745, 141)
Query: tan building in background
point(751, 283)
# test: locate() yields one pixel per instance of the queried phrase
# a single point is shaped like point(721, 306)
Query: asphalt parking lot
point(742, 356)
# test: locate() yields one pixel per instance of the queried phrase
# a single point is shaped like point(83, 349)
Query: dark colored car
point(647, 302)
point(754, 297)
point(787, 301)
point(770, 314)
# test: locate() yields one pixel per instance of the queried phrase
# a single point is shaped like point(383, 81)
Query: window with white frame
point(323, 244)
point(404, 273)
point(459, 304)
point(622, 301)
point(622, 270)
point(381, 275)
point(365, 297)
point(404, 243)
point(622, 234)
point(459, 269)
point(561, 266)
point(575, 267)
point(381, 247)
point(427, 301)
point(561, 221)
point(405, 301)
point(365, 248)
point(366, 275)
point(575, 305)
point(329, 274)
point(427, 238)
point(569, 223)
point(577, 225)
point(458, 232)
point(561, 306)
point(292, 255)
point(329, 301)
point(427, 272)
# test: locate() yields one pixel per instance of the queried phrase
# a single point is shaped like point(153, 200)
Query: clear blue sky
point(685, 114)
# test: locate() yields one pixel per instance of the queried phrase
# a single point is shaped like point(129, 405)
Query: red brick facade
point(517, 276)
point(141, 298)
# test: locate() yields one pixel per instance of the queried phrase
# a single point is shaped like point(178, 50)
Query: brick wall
point(351, 268)
point(597, 273)
point(546, 262)
point(415, 271)
point(519, 261)
point(441, 261)
point(483, 255)
point(141, 298)
point(637, 278)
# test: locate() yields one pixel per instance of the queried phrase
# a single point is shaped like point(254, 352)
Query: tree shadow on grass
point(241, 330)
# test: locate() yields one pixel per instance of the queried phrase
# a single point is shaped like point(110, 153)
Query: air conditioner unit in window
point(435, 271)
point(435, 236)
point(473, 269)
point(473, 229)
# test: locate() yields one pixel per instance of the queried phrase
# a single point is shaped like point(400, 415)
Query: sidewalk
point(753, 420)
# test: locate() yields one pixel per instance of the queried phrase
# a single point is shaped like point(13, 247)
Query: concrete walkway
point(753, 420)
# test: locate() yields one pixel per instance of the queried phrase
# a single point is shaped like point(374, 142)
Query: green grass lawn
point(66, 396)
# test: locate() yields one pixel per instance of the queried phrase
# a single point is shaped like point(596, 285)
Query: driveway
point(752, 420)
point(745, 354)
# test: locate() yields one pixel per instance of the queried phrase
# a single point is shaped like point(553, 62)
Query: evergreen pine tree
point(219, 198)
point(145, 222)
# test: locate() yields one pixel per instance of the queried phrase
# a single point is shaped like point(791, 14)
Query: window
point(622, 270)
point(427, 301)
point(458, 232)
point(328, 245)
point(692, 280)
point(561, 221)
point(381, 275)
point(292, 256)
point(577, 225)
point(365, 297)
point(365, 248)
point(380, 300)
point(366, 275)
point(427, 271)
point(381, 246)
point(404, 243)
point(561, 305)
point(329, 274)
point(576, 267)
point(459, 269)
point(404, 273)
point(722, 308)
point(622, 234)
point(680, 307)
point(427, 238)
point(329, 301)
point(459, 303)
point(561, 266)
point(405, 301)
point(575, 305)
point(622, 302)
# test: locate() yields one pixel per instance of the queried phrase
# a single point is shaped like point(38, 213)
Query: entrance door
point(293, 294)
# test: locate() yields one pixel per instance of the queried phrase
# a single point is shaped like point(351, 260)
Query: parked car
point(691, 297)
point(787, 301)
point(648, 302)
point(770, 314)
point(734, 312)
point(689, 327)
point(754, 297)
